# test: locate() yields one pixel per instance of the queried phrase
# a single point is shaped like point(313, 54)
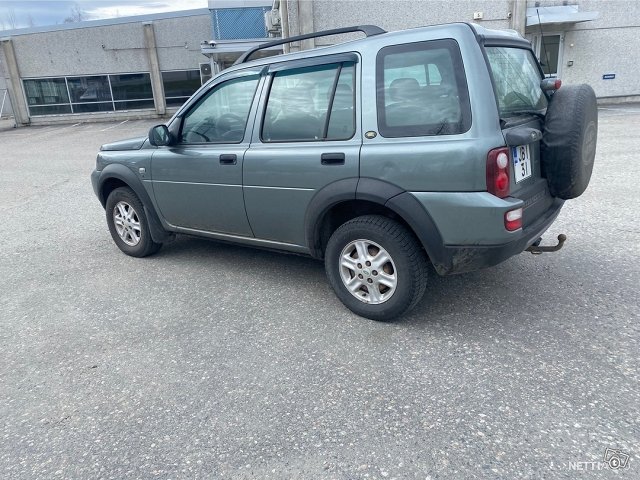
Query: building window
point(87, 94)
point(180, 85)
point(132, 91)
point(90, 94)
point(47, 96)
point(550, 52)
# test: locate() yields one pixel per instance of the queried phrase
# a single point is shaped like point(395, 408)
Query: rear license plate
point(521, 162)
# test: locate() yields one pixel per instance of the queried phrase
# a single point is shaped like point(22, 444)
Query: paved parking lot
point(216, 361)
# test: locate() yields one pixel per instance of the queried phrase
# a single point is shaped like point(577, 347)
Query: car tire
point(380, 290)
point(569, 140)
point(128, 223)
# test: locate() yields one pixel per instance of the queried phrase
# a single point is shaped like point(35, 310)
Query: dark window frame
point(494, 85)
point(348, 62)
point(211, 91)
point(427, 130)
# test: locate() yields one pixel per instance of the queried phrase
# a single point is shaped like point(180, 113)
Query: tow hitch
point(536, 249)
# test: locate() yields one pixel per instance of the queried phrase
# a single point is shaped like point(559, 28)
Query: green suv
point(442, 145)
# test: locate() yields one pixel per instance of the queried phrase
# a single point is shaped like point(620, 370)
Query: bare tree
point(77, 15)
point(9, 19)
point(30, 21)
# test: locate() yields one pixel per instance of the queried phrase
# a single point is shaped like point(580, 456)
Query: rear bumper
point(464, 258)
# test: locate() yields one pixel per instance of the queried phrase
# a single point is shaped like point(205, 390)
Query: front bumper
point(95, 176)
point(464, 258)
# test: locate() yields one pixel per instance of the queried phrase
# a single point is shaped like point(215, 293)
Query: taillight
point(498, 172)
point(513, 219)
point(550, 84)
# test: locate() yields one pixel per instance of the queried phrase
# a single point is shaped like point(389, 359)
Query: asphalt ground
point(209, 360)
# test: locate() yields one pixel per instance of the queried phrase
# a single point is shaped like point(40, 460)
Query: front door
point(306, 137)
point(197, 182)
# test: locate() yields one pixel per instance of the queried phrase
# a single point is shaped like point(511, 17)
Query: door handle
point(228, 159)
point(332, 159)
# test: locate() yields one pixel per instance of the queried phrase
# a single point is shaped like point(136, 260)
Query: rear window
point(422, 90)
point(516, 79)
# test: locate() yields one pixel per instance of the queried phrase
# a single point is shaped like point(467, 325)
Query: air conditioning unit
point(205, 73)
point(272, 22)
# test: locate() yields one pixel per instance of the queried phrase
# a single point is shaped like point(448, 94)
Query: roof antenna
point(544, 46)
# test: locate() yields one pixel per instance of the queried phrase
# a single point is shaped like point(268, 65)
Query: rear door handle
point(332, 158)
point(228, 159)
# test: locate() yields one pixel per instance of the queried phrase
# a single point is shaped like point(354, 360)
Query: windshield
point(517, 80)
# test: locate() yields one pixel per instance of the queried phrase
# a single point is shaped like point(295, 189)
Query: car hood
point(129, 144)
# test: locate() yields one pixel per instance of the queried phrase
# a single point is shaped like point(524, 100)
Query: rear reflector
point(513, 219)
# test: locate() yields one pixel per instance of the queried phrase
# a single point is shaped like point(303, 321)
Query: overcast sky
point(25, 13)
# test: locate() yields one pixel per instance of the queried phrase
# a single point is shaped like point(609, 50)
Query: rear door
point(521, 104)
point(306, 137)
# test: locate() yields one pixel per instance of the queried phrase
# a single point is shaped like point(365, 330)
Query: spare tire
point(569, 140)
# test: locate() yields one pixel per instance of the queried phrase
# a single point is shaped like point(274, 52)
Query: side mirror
point(159, 136)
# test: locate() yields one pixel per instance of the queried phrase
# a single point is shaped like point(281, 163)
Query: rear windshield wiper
point(533, 112)
point(536, 113)
point(504, 121)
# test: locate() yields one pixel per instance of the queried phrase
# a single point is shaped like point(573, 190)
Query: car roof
point(391, 38)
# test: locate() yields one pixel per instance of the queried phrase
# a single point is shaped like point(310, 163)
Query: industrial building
point(146, 66)
point(129, 67)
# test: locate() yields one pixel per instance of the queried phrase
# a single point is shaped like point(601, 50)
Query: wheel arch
point(115, 176)
point(346, 199)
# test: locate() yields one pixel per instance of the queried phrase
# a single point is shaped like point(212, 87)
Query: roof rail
point(368, 30)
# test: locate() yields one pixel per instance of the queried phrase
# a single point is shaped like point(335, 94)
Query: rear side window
point(422, 90)
point(311, 104)
point(516, 79)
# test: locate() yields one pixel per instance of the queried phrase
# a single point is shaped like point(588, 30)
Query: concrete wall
point(6, 111)
point(111, 49)
point(609, 44)
point(391, 14)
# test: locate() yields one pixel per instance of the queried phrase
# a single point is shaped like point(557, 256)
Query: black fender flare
point(401, 202)
point(124, 174)
point(325, 198)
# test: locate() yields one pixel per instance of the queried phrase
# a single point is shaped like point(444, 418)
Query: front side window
point(516, 78)
point(221, 115)
point(422, 90)
point(311, 104)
